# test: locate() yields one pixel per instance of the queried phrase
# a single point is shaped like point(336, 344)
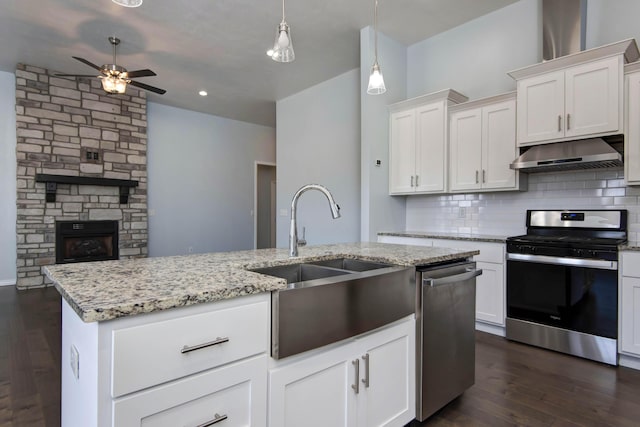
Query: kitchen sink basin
point(296, 273)
point(332, 300)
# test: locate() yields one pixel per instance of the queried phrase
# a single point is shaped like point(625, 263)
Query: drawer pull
point(216, 420)
point(356, 386)
point(187, 349)
point(365, 380)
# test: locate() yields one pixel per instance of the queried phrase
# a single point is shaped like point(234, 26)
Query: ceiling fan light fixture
point(128, 3)
point(113, 84)
point(376, 81)
point(283, 46)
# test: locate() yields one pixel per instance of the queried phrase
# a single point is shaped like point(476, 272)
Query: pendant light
point(128, 3)
point(283, 46)
point(376, 81)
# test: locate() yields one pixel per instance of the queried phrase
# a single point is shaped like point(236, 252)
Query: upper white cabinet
point(574, 96)
point(632, 124)
point(482, 143)
point(418, 143)
point(629, 310)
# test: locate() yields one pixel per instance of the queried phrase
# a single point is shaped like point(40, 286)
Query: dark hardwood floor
point(515, 384)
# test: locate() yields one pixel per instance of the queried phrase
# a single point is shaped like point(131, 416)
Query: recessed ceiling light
point(128, 3)
point(270, 52)
point(203, 93)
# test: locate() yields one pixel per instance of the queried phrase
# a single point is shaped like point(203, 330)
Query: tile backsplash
point(503, 213)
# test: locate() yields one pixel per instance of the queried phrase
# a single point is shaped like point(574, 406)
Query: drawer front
point(152, 354)
point(489, 252)
point(631, 264)
point(234, 395)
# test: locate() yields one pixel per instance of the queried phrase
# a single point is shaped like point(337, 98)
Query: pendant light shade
point(376, 81)
point(113, 84)
point(128, 3)
point(283, 46)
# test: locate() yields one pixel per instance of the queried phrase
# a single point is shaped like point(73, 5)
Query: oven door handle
point(571, 262)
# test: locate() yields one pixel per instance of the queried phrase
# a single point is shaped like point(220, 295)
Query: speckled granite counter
point(630, 246)
point(99, 291)
point(450, 236)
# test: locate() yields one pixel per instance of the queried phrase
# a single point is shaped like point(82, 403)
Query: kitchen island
point(159, 340)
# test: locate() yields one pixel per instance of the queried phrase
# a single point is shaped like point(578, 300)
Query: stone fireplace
point(82, 159)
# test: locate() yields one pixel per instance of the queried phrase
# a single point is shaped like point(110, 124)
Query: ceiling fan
point(114, 77)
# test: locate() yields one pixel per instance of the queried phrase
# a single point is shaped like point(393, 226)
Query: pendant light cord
point(375, 29)
point(283, 20)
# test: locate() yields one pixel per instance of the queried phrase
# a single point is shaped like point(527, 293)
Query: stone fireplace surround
point(73, 128)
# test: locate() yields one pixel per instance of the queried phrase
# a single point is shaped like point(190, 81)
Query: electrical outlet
point(74, 361)
point(284, 212)
point(462, 212)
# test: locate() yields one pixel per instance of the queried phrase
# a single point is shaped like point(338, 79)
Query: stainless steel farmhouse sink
point(331, 300)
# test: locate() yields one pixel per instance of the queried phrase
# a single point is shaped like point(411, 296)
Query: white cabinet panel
point(630, 319)
point(431, 145)
point(466, 148)
point(632, 129)
point(490, 293)
point(151, 354)
point(402, 151)
point(540, 107)
point(233, 394)
point(499, 146)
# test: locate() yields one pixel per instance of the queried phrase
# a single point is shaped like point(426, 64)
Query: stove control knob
point(593, 254)
point(578, 252)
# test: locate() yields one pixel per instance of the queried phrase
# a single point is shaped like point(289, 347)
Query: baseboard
point(7, 282)
point(629, 361)
point(490, 329)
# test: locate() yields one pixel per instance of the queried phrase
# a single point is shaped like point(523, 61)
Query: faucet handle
point(303, 242)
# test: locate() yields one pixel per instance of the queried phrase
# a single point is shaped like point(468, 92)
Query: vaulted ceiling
point(217, 45)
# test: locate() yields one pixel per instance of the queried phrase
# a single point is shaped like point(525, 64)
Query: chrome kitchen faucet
point(293, 230)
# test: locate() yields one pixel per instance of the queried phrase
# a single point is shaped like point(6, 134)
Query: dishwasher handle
point(470, 273)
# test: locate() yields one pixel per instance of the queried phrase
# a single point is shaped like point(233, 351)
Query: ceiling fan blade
point(75, 75)
point(147, 87)
point(90, 64)
point(140, 73)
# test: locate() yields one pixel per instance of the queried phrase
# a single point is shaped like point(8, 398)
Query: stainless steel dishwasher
point(445, 345)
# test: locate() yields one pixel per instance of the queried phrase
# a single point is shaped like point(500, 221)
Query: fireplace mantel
point(52, 181)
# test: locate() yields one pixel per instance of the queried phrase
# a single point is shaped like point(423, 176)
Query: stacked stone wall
point(58, 122)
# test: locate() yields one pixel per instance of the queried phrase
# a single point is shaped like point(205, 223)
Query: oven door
point(570, 293)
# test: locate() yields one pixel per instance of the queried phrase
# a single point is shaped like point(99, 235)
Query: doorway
point(265, 206)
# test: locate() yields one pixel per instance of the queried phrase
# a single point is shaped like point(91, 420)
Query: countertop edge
point(445, 236)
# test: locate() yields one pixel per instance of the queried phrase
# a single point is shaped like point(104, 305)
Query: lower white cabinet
point(368, 381)
point(234, 394)
point(629, 307)
point(490, 285)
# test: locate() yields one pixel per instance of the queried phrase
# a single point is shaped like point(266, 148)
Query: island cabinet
point(482, 144)
point(418, 159)
point(490, 285)
point(185, 366)
point(629, 310)
point(366, 381)
point(572, 97)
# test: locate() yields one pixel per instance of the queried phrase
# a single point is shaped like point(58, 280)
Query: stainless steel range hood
point(581, 154)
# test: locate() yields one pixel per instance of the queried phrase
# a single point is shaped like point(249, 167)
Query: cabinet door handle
point(568, 121)
point(477, 182)
point(559, 123)
point(356, 385)
point(412, 180)
point(365, 380)
point(484, 176)
point(216, 420)
point(417, 179)
point(187, 349)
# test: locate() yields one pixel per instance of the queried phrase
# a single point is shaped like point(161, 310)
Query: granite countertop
point(445, 235)
point(106, 290)
point(630, 246)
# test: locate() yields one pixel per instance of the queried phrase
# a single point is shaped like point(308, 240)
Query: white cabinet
point(632, 125)
point(368, 381)
point(418, 143)
point(629, 306)
point(572, 97)
point(235, 394)
point(490, 285)
point(172, 367)
point(482, 140)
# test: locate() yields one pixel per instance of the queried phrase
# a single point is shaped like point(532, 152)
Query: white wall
point(379, 210)
point(201, 180)
point(474, 58)
point(516, 32)
point(7, 179)
point(318, 141)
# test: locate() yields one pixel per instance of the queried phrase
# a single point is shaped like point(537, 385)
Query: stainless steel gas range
point(562, 282)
